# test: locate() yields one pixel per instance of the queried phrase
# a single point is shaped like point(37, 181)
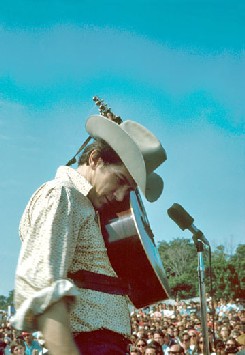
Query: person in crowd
point(224, 333)
point(2, 346)
point(231, 346)
point(134, 351)
point(150, 336)
point(193, 338)
point(184, 311)
point(62, 242)
point(7, 341)
point(219, 347)
point(18, 348)
point(159, 337)
point(153, 348)
point(198, 325)
point(141, 345)
point(170, 331)
point(31, 344)
point(199, 349)
point(156, 314)
point(133, 338)
point(167, 342)
point(176, 349)
point(185, 343)
point(176, 335)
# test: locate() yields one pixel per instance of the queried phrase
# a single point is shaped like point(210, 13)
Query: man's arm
point(55, 325)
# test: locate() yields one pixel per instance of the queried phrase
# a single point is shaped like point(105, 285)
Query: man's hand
point(55, 326)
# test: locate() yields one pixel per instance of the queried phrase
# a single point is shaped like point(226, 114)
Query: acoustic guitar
point(130, 244)
point(134, 255)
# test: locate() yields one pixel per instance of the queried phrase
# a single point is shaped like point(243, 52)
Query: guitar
point(130, 244)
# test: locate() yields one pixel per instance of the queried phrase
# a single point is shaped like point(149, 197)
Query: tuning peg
point(105, 110)
point(108, 110)
point(103, 107)
point(99, 102)
point(118, 119)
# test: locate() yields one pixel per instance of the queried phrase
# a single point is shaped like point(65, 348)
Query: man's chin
point(101, 205)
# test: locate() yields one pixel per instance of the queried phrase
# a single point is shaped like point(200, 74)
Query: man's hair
point(185, 333)
point(181, 349)
point(103, 151)
point(159, 332)
point(154, 345)
point(134, 349)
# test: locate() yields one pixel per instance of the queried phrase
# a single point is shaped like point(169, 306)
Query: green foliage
point(238, 261)
point(6, 301)
point(179, 258)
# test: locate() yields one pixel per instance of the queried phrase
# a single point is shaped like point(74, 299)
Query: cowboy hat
point(140, 151)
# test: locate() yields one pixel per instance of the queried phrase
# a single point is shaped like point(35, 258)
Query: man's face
point(28, 338)
point(157, 337)
point(224, 332)
point(192, 336)
point(170, 331)
point(111, 182)
point(186, 341)
point(19, 350)
point(230, 346)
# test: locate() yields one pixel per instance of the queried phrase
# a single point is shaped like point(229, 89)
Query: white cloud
point(64, 53)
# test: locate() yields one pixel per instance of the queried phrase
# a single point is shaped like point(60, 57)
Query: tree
point(238, 261)
point(224, 274)
point(179, 259)
point(6, 301)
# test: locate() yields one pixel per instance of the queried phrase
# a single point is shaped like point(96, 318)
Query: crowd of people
point(175, 328)
point(162, 329)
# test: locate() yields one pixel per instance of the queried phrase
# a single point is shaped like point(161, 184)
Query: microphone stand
point(201, 278)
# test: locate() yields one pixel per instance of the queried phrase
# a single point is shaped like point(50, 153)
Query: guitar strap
point(99, 282)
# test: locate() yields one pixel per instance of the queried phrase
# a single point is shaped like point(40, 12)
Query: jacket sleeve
point(49, 230)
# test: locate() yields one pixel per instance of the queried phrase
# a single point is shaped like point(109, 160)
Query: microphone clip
point(198, 240)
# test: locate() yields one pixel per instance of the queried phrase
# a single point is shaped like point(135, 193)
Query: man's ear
point(94, 159)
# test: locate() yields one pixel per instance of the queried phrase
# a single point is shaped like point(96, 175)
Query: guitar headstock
point(106, 111)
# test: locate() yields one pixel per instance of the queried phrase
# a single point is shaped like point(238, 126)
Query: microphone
point(182, 218)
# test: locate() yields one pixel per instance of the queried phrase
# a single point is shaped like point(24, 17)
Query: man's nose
point(120, 194)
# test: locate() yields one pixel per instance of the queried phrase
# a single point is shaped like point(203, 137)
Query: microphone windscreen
point(180, 216)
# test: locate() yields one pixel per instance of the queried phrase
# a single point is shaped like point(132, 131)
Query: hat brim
point(154, 187)
point(100, 127)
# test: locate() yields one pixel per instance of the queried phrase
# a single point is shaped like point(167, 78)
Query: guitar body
point(133, 254)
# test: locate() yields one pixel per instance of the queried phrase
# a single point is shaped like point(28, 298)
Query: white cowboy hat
point(140, 151)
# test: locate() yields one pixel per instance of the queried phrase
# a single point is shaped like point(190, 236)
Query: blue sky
point(178, 67)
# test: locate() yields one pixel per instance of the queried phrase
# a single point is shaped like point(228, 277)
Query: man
point(167, 342)
point(31, 344)
point(193, 338)
point(159, 336)
point(185, 342)
point(231, 346)
point(61, 237)
point(224, 333)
